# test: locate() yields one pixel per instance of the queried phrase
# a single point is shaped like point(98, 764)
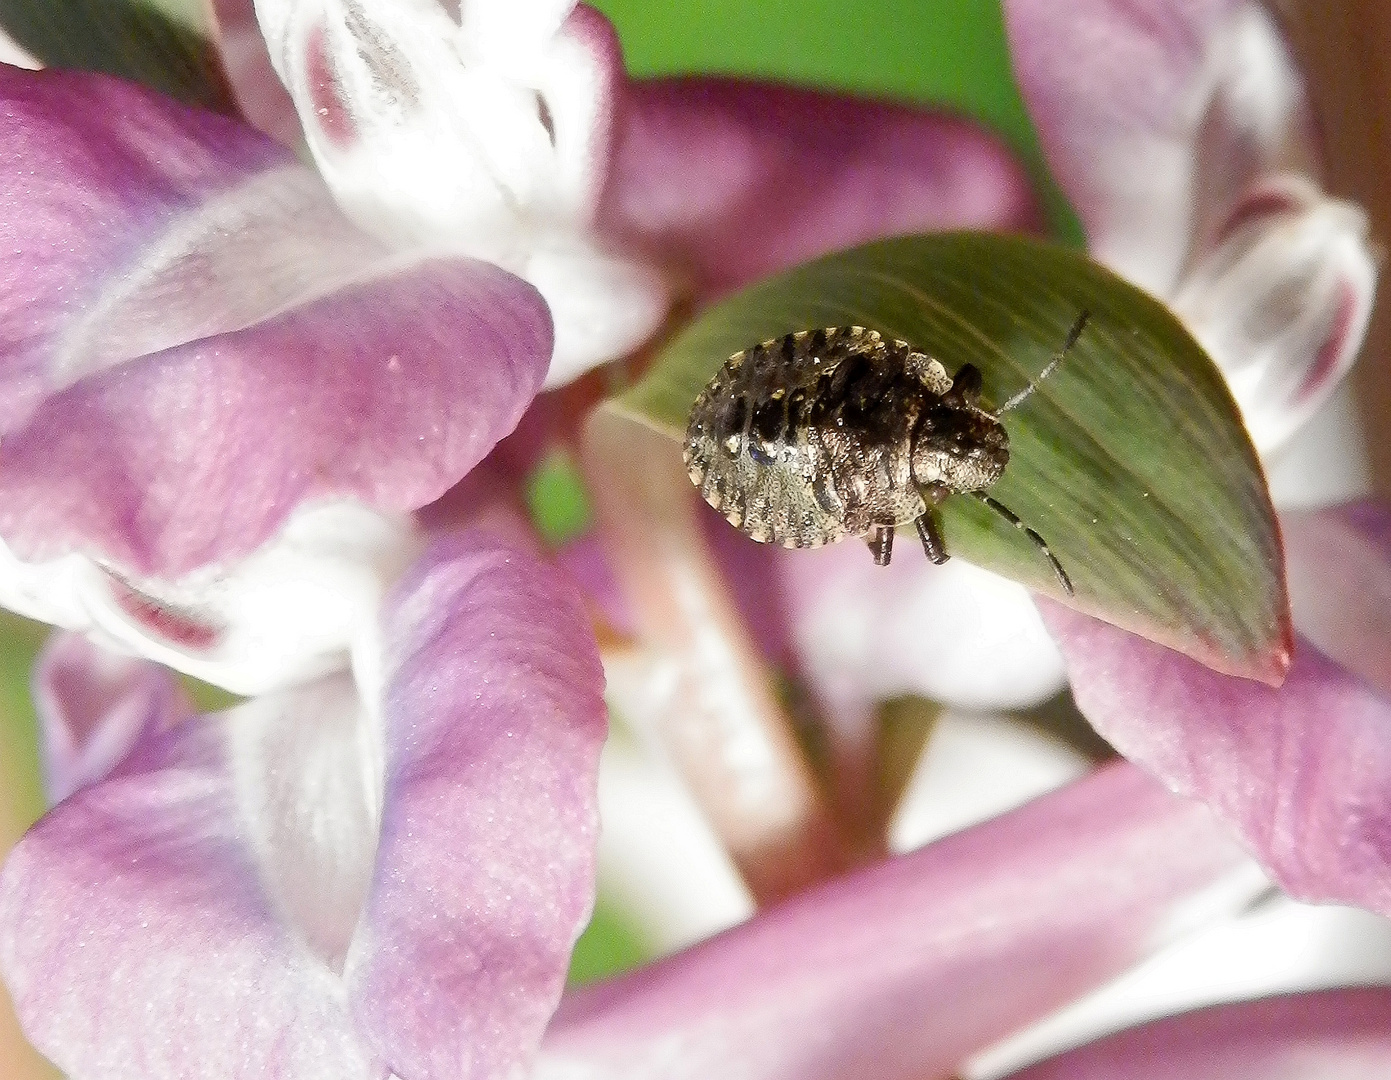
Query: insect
point(823, 434)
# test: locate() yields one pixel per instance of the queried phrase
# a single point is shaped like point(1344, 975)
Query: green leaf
point(138, 40)
point(1131, 460)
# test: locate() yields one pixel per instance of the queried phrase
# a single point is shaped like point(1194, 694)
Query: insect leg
point(933, 547)
point(881, 544)
point(1009, 515)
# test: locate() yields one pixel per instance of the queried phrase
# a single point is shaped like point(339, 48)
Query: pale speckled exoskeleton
point(823, 434)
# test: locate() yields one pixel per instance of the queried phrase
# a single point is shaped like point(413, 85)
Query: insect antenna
point(1052, 366)
point(1010, 516)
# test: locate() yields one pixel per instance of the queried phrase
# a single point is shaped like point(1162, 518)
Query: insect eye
point(967, 384)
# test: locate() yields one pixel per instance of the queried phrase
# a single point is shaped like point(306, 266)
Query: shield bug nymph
point(823, 434)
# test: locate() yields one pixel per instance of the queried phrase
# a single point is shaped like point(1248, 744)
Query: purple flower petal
point(246, 896)
point(139, 929)
point(193, 340)
point(732, 181)
point(94, 705)
point(1303, 773)
point(1333, 1035)
point(903, 970)
point(1154, 116)
point(1338, 566)
point(485, 867)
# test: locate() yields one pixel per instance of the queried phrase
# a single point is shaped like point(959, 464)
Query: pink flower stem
point(703, 689)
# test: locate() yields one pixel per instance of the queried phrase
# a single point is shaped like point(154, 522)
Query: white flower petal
point(307, 771)
point(953, 633)
point(467, 136)
point(299, 607)
point(604, 305)
point(1281, 301)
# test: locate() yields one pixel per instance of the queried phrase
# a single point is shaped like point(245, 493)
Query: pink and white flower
point(319, 882)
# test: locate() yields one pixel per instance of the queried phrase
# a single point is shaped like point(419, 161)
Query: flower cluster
point(250, 415)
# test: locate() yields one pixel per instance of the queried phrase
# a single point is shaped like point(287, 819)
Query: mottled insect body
point(838, 432)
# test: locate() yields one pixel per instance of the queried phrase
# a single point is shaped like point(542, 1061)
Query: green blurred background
point(949, 53)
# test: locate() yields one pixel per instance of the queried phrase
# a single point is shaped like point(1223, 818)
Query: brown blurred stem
point(1344, 50)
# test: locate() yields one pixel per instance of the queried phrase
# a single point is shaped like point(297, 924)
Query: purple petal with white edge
point(93, 706)
point(1281, 299)
point(195, 341)
point(1338, 568)
point(732, 181)
point(903, 970)
point(148, 923)
point(1154, 116)
point(485, 870)
point(1332, 1035)
point(1302, 773)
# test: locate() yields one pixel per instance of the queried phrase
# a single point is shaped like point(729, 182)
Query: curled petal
point(488, 136)
point(259, 93)
point(903, 970)
point(300, 606)
point(93, 706)
point(1333, 1035)
point(1281, 300)
point(484, 877)
point(1154, 117)
point(1303, 772)
point(140, 923)
point(195, 341)
point(733, 181)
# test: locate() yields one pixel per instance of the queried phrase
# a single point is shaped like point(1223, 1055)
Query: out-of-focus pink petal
point(902, 971)
point(733, 181)
point(193, 340)
point(1333, 1035)
point(140, 930)
point(494, 718)
point(584, 560)
point(695, 681)
point(1154, 116)
point(260, 94)
point(93, 706)
point(1338, 567)
point(1302, 772)
point(955, 633)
